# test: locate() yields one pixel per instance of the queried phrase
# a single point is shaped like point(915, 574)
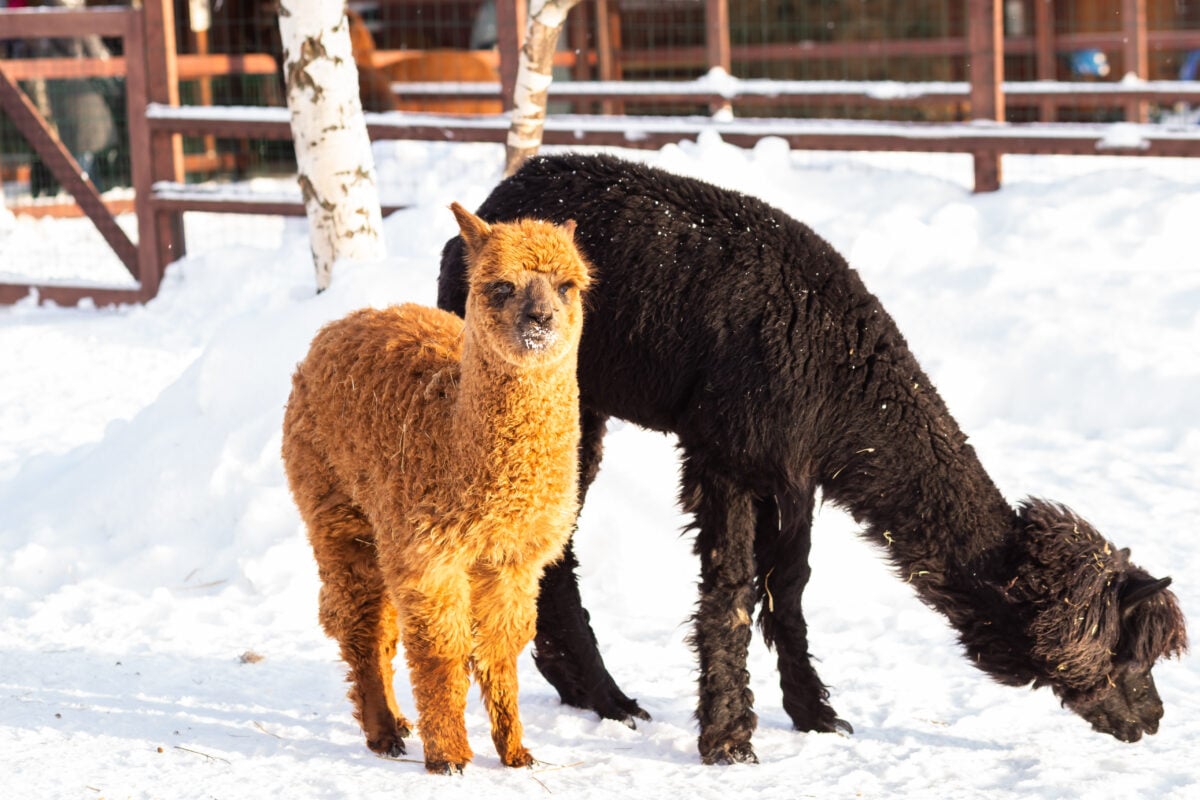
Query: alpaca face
point(1099, 622)
point(526, 284)
point(1130, 708)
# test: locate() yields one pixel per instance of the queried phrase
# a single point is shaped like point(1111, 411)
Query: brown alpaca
point(430, 66)
point(433, 460)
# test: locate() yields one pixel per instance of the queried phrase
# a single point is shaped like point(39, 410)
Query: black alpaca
point(726, 322)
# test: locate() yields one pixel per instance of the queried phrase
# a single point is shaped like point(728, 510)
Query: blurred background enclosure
point(229, 54)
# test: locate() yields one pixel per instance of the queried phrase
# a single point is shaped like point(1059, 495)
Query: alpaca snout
point(1132, 707)
point(537, 327)
point(537, 334)
point(539, 316)
point(538, 307)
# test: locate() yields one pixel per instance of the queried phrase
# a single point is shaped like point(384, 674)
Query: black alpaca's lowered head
point(1094, 622)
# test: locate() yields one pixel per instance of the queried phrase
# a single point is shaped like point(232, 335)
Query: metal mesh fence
point(86, 111)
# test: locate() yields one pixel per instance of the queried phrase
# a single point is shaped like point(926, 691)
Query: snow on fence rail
point(715, 86)
point(654, 131)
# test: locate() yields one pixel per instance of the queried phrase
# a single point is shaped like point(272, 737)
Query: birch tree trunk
point(333, 152)
point(546, 18)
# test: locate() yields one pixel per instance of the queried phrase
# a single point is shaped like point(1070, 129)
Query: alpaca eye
point(499, 292)
point(564, 289)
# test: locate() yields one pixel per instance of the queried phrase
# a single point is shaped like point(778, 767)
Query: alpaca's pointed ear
point(569, 227)
point(1138, 590)
point(474, 230)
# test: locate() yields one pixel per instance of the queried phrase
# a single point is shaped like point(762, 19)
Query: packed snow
point(158, 631)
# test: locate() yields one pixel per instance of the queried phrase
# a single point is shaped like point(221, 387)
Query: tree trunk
point(546, 18)
point(333, 151)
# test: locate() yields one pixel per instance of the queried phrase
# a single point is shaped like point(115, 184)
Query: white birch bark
point(333, 152)
point(546, 18)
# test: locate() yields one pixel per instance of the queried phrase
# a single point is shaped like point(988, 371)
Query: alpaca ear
point(474, 230)
point(569, 227)
point(1138, 590)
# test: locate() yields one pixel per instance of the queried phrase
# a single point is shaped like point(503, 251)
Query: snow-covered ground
point(158, 633)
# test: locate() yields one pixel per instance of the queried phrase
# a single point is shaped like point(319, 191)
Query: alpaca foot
point(833, 725)
point(391, 745)
point(607, 700)
point(445, 767)
point(387, 746)
point(631, 711)
point(589, 686)
point(730, 753)
point(822, 720)
point(519, 758)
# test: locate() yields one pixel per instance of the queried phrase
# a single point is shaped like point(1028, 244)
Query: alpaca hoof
point(391, 745)
point(825, 720)
point(614, 706)
point(602, 694)
point(740, 753)
point(620, 708)
point(521, 759)
point(445, 767)
point(635, 713)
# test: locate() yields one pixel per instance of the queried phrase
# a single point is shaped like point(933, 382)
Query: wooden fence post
point(160, 233)
point(1044, 54)
point(608, 42)
point(985, 54)
point(510, 35)
point(717, 47)
point(1135, 52)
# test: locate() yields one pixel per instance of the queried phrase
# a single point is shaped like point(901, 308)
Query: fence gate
point(148, 44)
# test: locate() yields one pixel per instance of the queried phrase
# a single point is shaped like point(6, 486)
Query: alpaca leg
point(565, 650)
point(725, 520)
point(355, 611)
point(436, 628)
point(503, 608)
point(389, 636)
point(782, 544)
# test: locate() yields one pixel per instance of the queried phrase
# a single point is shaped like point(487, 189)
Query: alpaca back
point(371, 381)
point(710, 303)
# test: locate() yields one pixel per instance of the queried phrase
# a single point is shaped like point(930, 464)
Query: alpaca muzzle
point(1131, 709)
point(536, 328)
point(537, 337)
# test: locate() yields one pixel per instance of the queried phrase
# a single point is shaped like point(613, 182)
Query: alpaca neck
point(504, 408)
point(911, 476)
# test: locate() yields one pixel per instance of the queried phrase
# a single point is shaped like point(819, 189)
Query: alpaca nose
point(539, 314)
point(539, 305)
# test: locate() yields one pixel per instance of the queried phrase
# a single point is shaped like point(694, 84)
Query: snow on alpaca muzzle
point(537, 328)
point(537, 337)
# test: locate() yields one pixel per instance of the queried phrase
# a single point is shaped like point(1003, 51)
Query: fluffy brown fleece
point(433, 460)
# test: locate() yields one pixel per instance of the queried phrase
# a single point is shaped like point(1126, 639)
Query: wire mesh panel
point(823, 40)
point(83, 104)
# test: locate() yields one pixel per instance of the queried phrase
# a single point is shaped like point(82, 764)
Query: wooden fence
point(149, 68)
point(156, 121)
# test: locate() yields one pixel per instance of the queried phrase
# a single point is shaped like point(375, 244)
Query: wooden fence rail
point(1063, 138)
